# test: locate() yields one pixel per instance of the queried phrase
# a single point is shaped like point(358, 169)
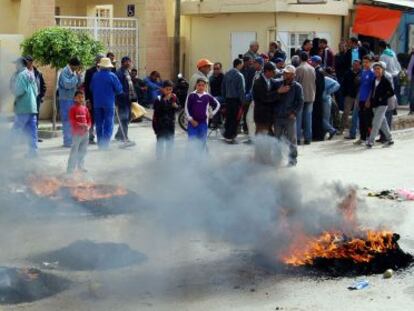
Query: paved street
point(200, 255)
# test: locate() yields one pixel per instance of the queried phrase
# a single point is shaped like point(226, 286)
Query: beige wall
point(8, 16)
point(210, 35)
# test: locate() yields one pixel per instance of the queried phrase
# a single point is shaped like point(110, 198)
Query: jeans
point(397, 88)
point(124, 118)
point(104, 123)
point(286, 129)
point(365, 121)
point(198, 134)
point(165, 143)
point(355, 121)
point(327, 109)
point(26, 124)
point(380, 123)
point(233, 106)
point(304, 122)
point(78, 152)
point(65, 105)
point(349, 103)
point(251, 126)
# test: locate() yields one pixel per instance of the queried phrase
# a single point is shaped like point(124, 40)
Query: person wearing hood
point(389, 57)
point(69, 81)
point(24, 88)
point(88, 94)
point(234, 91)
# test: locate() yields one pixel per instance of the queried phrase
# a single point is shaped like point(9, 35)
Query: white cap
point(290, 69)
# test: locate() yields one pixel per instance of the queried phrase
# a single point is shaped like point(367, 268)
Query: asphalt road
point(191, 269)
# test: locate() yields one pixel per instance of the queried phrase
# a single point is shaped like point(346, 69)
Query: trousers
point(26, 125)
point(104, 123)
point(78, 152)
point(233, 106)
point(304, 122)
point(379, 122)
point(65, 105)
point(286, 129)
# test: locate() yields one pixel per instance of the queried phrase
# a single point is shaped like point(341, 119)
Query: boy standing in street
point(163, 121)
point(196, 109)
point(80, 122)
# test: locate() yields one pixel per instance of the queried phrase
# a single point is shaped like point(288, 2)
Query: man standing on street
point(204, 68)
point(105, 86)
point(328, 57)
point(88, 94)
point(234, 90)
point(41, 86)
point(69, 81)
point(286, 110)
point(125, 99)
point(350, 89)
point(318, 132)
point(24, 88)
point(306, 76)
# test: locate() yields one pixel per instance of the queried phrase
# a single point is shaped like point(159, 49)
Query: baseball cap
point(203, 62)
point(259, 60)
point(316, 59)
point(290, 69)
point(379, 64)
point(279, 60)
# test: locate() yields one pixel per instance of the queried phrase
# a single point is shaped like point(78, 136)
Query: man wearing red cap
point(204, 68)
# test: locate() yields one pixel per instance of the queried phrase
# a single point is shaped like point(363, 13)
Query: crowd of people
point(290, 99)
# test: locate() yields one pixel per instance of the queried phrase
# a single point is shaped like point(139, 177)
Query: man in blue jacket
point(105, 86)
point(69, 81)
point(124, 100)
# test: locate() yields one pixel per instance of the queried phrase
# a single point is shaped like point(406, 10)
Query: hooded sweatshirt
point(390, 59)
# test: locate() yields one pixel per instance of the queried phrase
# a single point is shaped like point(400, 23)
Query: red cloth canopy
point(376, 22)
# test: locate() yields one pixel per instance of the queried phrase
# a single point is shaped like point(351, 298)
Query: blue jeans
point(411, 96)
point(104, 123)
point(327, 111)
point(397, 88)
point(65, 105)
point(304, 122)
point(355, 121)
point(165, 145)
point(26, 125)
point(198, 133)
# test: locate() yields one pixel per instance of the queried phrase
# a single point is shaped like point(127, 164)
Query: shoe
point(307, 142)
point(358, 142)
point(292, 163)
point(248, 142)
point(380, 140)
point(92, 142)
point(332, 134)
point(350, 137)
point(369, 145)
point(411, 113)
point(40, 140)
point(67, 146)
point(389, 143)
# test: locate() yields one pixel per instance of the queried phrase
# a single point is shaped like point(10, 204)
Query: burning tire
point(28, 285)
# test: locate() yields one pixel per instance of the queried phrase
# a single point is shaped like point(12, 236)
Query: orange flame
point(80, 190)
point(350, 242)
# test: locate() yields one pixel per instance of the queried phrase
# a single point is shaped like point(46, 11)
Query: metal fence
point(119, 35)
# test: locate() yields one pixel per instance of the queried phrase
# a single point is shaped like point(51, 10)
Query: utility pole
point(177, 37)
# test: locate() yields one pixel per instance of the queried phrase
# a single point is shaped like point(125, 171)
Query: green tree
point(55, 46)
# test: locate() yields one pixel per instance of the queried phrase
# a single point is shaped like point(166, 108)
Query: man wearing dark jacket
point(233, 90)
point(88, 95)
point(328, 58)
point(318, 131)
point(354, 52)
point(125, 99)
point(286, 110)
point(216, 81)
point(350, 88)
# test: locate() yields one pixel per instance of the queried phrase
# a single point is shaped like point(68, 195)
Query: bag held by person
point(137, 111)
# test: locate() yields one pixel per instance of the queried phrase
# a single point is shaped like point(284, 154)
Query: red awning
point(376, 22)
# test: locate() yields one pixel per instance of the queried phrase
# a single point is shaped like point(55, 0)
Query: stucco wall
point(8, 16)
point(210, 35)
